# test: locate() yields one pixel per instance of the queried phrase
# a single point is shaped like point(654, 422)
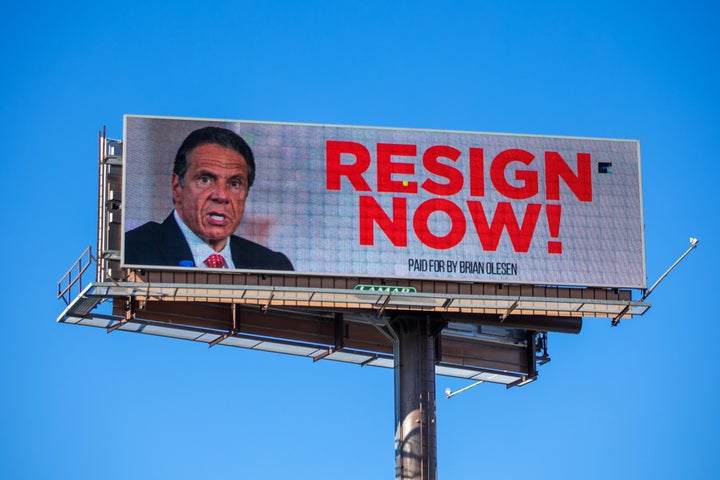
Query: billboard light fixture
point(449, 393)
point(693, 245)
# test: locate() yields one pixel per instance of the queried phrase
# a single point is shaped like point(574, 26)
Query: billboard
point(380, 202)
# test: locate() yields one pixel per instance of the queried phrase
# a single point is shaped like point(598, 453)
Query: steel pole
point(415, 425)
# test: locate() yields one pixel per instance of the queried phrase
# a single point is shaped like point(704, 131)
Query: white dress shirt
point(201, 250)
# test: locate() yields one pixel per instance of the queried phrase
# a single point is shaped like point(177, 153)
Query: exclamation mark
point(553, 215)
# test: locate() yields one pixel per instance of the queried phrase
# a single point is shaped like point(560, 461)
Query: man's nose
point(220, 192)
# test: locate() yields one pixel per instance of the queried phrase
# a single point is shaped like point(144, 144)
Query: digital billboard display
point(382, 202)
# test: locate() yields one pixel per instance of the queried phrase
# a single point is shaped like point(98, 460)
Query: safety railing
point(73, 278)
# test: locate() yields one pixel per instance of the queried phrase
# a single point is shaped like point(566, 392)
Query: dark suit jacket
point(164, 244)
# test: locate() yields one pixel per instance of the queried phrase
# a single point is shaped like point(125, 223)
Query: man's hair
point(217, 136)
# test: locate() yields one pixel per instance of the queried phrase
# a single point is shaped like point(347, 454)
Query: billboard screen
point(381, 202)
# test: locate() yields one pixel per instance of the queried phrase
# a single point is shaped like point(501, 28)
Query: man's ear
point(176, 188)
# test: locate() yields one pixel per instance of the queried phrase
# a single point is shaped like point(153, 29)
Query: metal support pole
point(415, 427)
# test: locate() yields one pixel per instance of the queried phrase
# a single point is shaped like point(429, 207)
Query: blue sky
point(636, 401)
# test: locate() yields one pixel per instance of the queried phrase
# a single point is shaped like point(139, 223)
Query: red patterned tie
point(215, 261)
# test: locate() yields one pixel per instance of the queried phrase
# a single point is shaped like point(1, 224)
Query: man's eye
point(204, 180)
point(235, 184)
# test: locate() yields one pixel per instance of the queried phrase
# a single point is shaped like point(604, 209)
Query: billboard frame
point(408, 277)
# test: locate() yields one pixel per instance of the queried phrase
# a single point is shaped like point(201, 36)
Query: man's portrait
point(213, 172)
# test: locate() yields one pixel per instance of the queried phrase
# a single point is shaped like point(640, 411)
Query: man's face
point(211, 201)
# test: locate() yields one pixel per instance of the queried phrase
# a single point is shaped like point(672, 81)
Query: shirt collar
point(201, 250)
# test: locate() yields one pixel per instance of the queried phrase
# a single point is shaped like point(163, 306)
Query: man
point(213, 172)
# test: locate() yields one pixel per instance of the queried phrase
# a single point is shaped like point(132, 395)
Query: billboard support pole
point(415, 422)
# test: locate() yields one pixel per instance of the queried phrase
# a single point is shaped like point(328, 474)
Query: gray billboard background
point(289, 208)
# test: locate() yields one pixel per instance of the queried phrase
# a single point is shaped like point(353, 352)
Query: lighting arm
point(449, 393)
point(693, 244)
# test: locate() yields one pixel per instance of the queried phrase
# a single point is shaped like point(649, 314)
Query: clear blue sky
point(636, 401)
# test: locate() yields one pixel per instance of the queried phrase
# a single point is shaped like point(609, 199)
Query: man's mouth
point(217, 218)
